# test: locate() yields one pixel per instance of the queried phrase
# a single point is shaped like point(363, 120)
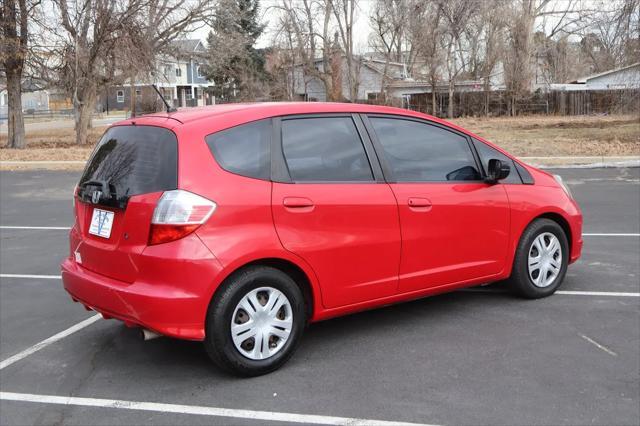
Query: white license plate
point(101, 223)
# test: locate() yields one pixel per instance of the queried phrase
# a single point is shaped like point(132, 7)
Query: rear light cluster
point(177, 214)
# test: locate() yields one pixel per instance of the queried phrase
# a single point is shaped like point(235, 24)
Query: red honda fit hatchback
point(239, 224)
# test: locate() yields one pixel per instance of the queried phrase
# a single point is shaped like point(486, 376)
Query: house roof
point(613, 71)
point(186, 45)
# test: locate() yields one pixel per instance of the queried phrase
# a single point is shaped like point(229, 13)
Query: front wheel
point(541, 260)
point(255, 321)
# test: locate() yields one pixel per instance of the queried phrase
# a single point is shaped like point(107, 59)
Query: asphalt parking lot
point(474, 357)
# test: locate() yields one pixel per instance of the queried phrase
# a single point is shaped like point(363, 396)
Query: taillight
point(177, 214)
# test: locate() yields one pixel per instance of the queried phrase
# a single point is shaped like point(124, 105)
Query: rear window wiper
point(105, 195)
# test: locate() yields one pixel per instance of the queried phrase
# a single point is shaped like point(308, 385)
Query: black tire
point(218, 341)
point(520, 281)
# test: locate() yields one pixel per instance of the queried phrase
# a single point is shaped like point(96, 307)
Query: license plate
point(101, 223)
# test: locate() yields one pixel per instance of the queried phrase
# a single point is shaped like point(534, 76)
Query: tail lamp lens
point(177, 214)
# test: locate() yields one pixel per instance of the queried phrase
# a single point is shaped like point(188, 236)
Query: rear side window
point(327, 149)
point(244, 150)
point(132, 160)
point(420, 152)
point(486, 153)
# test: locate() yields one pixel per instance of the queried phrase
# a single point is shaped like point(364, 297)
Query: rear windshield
point(131, 160)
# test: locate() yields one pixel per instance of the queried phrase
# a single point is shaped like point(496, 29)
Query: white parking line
point(610, 235)
point(37, 277)
point(200, 410)
point(598, 345)
point(56, 337)
point(55, 228)
point(597, 293)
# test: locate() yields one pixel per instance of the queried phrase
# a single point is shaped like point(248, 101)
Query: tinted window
point(244, 150)
point(419, 152)
point(486, 153)
point(324, 149)
point(132, 160)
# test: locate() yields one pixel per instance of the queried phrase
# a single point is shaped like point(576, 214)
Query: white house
point(627, 77)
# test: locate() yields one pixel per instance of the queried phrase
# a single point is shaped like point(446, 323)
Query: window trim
point(475, 141)
point(386, 168)
point(280, 170)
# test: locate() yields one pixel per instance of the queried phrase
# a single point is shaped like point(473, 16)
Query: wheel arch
point(560, 220)
point(293, 270)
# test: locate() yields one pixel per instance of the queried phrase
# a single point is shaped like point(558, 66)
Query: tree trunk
point(487, 89)
point(15, 121)
point(132, 97)
point(434, 105)
point(451, 90)
point(83, 115)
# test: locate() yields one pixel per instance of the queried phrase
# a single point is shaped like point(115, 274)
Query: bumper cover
point(171, 299)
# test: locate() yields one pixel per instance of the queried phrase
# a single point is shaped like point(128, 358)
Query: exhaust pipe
point(148, 334)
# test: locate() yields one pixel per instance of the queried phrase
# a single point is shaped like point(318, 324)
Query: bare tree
point(610, 34)
point(426, 32)
point(344, 12)
point(14, 28)
point(107, 42)
point(317, 27)
point(390, 36)
point(456, 14)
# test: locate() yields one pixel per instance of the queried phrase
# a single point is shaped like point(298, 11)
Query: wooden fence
point(548, 103)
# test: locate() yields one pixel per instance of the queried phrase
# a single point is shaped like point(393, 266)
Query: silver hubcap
point(545, 259)
point(261, 323)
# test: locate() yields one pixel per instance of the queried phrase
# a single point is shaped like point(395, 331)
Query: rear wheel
point(541, 260)
point(255, 321)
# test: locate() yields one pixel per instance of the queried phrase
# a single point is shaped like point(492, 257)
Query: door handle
point(298, 203)
point(419, 204)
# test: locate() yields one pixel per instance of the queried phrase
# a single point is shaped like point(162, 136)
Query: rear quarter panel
point(241, 230)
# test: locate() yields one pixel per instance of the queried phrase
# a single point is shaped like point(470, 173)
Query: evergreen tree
point(234, 64)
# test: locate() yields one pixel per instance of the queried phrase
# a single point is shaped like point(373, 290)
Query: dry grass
point(522, 136)
point(51, 145)
point(560, 136)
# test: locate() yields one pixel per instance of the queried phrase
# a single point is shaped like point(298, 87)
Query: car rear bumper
point(160, 301)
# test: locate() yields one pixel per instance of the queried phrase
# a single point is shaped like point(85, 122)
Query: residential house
point(179, 76)
point(34, 98)
point(372, 77)
point(624, 78)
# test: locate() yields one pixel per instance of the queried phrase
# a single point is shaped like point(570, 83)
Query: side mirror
point(497, 170)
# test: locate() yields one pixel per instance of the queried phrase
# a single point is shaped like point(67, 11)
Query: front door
point(455, 227)
point(334, 213)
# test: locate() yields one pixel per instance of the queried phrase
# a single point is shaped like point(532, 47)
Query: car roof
point(191, 114)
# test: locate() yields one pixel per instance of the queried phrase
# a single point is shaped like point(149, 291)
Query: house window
point(4, 99)
point(178, 72)
point(138, 92)
point(120, 96)
point(167, 71)
point(374, 96)
point(200, 75)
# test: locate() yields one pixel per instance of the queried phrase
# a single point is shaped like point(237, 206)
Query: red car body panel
point(359, 245)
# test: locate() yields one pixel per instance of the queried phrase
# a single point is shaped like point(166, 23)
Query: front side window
point(420, 152)
point(326, 149)
point(487, 153)
point(244, 150)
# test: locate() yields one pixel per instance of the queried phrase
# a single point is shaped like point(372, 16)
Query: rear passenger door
point(332, 207)
point(455, 227)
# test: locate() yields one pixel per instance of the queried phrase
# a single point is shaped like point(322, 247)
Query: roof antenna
point(169, 107)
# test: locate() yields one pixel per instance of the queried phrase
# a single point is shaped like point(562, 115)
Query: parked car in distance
point(239, 224)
